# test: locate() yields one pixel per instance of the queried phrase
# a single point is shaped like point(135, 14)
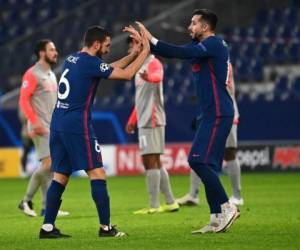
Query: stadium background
point(264, 39)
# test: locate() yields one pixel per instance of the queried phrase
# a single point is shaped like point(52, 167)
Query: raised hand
point(145, 42)
point(134, 34)
point(144, 29)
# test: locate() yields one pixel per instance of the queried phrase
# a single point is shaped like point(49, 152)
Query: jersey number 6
point(64, 80)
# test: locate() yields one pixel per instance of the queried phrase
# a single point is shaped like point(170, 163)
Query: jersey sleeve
point(188, 51)
point(155, 71)
point(133, 117)
point(29, 85)
point(98, 68)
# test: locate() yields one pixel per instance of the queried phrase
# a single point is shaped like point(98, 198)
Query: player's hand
point(134, 34)
point(144, 75)
point(38, 129)
point(145, 42)
point(144, 30)
point(130, 129)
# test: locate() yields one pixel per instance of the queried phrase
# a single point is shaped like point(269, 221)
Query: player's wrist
point(153, 40)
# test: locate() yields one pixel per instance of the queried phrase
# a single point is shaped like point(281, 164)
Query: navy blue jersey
point(210, 65)
point(77, 87)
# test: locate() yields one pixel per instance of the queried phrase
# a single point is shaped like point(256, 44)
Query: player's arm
point(132, 68)
point(188, 51)
point(123, 62)
point(154, 72)
point(132, 121)
point(29, 85)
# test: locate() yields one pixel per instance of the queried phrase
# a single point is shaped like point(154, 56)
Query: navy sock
point(53, 201)
point(215, 193)
point(101, 199)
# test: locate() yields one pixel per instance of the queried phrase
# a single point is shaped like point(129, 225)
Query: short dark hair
point(208, 16)
point(41, 46)
point(95, 33)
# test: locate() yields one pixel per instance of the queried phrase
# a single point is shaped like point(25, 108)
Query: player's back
point(77, 87)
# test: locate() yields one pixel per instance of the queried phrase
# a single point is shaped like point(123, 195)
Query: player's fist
point(130, 129)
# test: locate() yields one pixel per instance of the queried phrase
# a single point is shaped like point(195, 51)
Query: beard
point(51, 61)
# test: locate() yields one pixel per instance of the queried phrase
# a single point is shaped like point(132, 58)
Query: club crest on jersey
point(104, 67)
point(25, 84)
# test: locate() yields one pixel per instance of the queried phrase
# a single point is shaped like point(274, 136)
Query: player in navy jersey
point(209, 57)
point(73, 144)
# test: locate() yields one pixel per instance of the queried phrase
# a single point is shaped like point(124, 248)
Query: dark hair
point(95, 33)
point(41, 46)
point(208, 16)
point(129, 40)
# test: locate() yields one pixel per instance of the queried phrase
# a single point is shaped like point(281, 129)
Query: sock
point(234, 172)
point(46, 179)
point(195, 182)
point(215, 219)
point(101, 199)
point(153, 183)
point(34, 183)
point(54, 194)
point(165, 186)
point(215, 193)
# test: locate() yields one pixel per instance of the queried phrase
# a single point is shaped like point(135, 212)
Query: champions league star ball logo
point(104, 67)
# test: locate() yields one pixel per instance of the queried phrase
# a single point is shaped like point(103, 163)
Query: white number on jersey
point(97, 146)
point(64, 80)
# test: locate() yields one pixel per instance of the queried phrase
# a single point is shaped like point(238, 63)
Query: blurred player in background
point(210, 61)
point(149, 116)
point(232, 163)
point(37, 101)
point(73, 143)
point(27, 143)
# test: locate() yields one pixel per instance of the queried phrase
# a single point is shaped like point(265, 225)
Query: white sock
point(195, 182)
point(48, 227)
point(234, 172)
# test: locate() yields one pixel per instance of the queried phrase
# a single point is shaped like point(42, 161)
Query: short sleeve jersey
point(78, 84)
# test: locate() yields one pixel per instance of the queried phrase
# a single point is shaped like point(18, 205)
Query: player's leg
point(45, 183)
point(101, 198)
point(191, 198)
point(234, 173)
point(152, 173)
point(41, 174)
point(27, 145)
point(205, 159)
point(165, 187)
point(54, 194)
point(61, 166)
point(233, 166)
point(149, 154)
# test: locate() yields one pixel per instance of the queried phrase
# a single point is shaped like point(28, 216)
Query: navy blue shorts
point(209, 142)
point(72, 152)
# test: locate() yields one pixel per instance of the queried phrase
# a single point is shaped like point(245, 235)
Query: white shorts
point(231, 141)
point(152, 140)
point(41, 145)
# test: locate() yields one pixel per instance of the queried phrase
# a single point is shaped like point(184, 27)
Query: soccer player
point(73, 144)
point(210, 61)
point(37, 101)
point(149, 115)
point(233, 165)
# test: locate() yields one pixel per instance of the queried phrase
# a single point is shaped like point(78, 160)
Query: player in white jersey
point(149, 116)
point(37, 100)
point(232, 166)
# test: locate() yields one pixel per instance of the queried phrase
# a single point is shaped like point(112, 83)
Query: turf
point(270, 219)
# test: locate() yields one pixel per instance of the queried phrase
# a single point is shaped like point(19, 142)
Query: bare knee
point(46, 163)
point(230, 154)
point(61, 178)
point(151, 161)
point(97, 174)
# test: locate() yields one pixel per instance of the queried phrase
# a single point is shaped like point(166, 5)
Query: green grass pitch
point(270, 218)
